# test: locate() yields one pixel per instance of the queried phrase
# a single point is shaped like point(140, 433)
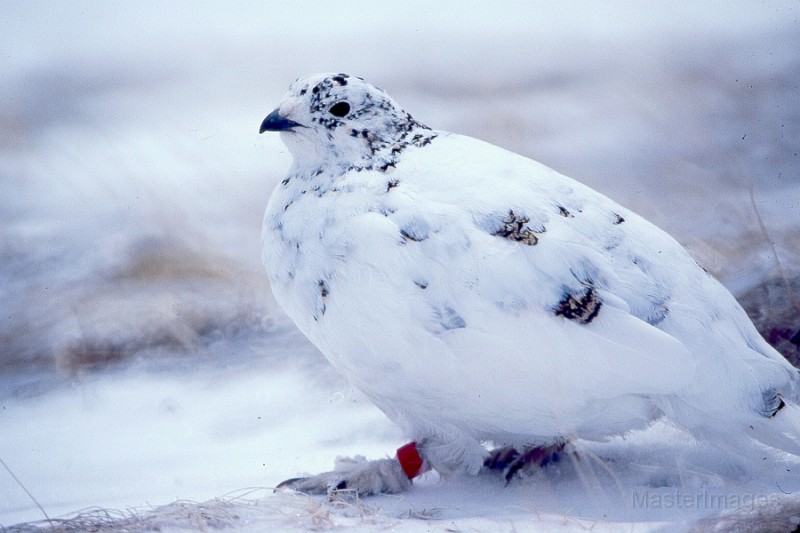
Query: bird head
point(342, 121)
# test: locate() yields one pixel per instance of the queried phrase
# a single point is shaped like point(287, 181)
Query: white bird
point(476, 295)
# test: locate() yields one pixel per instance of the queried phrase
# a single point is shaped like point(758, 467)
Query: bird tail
point(775, 423)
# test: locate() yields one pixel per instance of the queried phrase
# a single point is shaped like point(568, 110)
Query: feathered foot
point(516, 464)
point(354, 475)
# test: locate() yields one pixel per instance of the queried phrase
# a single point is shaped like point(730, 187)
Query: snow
point(126, 440)
point(142, 358)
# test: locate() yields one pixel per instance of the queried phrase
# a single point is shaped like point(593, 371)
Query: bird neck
point(358, 150)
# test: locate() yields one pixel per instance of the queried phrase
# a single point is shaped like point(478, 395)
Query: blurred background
point(133, 181)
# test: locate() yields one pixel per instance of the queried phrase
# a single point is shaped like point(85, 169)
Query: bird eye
point(339, 109)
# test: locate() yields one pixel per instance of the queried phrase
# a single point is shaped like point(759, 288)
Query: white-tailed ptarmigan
point(476, 295)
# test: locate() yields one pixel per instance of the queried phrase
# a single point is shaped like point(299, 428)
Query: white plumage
point(474, 294)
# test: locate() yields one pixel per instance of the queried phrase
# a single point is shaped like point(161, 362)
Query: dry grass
point(257, 508)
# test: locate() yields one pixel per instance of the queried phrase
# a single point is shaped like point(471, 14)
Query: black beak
point(275, 122)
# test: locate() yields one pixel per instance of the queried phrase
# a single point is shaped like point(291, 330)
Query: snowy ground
point(142, 358)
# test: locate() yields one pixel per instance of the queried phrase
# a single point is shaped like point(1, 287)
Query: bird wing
point(520, 272)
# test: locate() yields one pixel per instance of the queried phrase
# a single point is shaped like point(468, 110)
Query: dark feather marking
point(515, 229)
point(408, 236)
point(450, 319)
point(658, 315)
point(773, 403)
point(323, 293)
point(582, 307)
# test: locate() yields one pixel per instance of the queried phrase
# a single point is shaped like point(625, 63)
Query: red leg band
point(410, 460)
